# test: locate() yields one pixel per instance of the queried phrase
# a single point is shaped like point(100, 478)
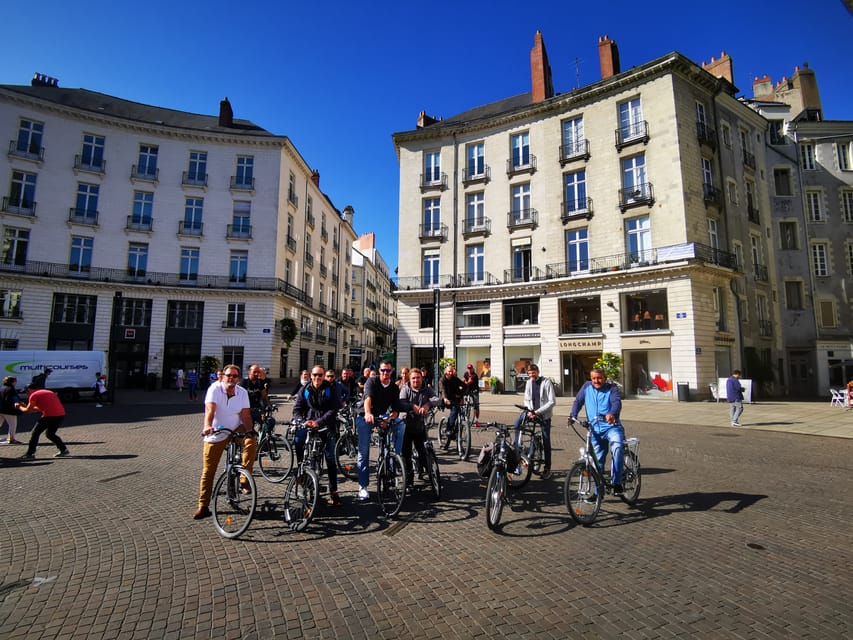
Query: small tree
point(288, 331)
point(611, 364)
point(209, 364)
point(444, 363)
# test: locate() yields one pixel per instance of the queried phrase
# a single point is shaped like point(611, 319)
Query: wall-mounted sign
point(130, 334)
point(581, 344)
point(646, 342)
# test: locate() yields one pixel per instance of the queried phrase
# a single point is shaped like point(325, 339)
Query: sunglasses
point(316, 375)
point(385, 370)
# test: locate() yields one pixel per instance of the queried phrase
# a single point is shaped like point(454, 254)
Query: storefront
point(647, 366)
point(577, 355)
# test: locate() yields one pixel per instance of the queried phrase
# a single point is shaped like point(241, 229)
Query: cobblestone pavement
point(738, 533)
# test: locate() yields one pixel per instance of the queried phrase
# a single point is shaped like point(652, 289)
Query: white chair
point(838, 398)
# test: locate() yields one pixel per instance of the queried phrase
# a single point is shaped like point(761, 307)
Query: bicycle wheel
point(582, 493)
point(434, 473)
point(630, 477)
point(537, 458)
point(463, 438)
point(275, 458)
point(391, 484)
point(232, 509)
point(520, 476)
point(300, 499)
point(346, 455)
point(495, 497)
point(443, 433)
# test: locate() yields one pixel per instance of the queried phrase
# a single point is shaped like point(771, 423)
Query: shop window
point(472, 315)
point(580, 315)
point(427, 316)
point(519, 312)
point(645, 311)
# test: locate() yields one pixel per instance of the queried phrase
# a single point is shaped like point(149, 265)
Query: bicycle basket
point(485, 460)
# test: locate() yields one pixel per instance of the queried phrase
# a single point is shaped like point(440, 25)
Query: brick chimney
point(226, 114)
point(722, 67)
point(424, 120)
point(762, 88)
point(608, 57)
point(542, 86)
point(315, 178)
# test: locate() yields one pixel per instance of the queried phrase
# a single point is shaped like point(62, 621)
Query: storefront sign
point(472, 336)
point(581, 344)
point(646, 342)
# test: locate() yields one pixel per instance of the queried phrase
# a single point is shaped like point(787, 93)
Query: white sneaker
point(363, 493)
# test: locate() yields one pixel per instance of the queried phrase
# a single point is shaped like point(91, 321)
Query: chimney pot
point(608, 57)
point(226, 114)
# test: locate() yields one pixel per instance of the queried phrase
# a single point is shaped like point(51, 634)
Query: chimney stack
point(226, 114)
point(542, 85)
point(315, 178)
point(721, 68)
point(762, 88)
point(608, 56)
point(42, 80)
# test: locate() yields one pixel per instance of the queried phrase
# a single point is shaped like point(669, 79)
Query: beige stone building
point(622, 216)
point(372, 305)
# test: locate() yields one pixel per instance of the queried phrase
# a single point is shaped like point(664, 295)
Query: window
point(580, 315)
point(777, 132)
point(81, 254)
point(476, 160)
point(134, 312)
point(634, 179)
point(182, 314)
point(713, 235)
point(707, 172)
point(644, 311)
point(147, 165)
point(794, 295)
point(143, 209)
point(308, 247)
point(521, 263)
point(475, 208)
point(189, 264)
point(827, 314)
point(92, 155)
point(239, 265)
point(22, 191)
point(807, 156)
point(197, 171)
point(10, 303)
point(137, 259)
point(235, 317)
point(426, 314)
point(813, 200)
point(719, 297)
point(430, 270)
point(288, 271)
point(727, 136)
point(577, 250)
point(700, 113)
point(820, 264)
point(574, 143)
point(15, 244)
point(74, 309)
point(309, 208)
point(847, 205)
point(731, 189)
point(432, 167)
point(738, 250)
point(745, 141)
point(757, 254)
point(473, 315)
point(87, 202)
point(763, 311)
point(306, 284)
point(845, 159)
point(788, 235)
point(631, 119)
point(639, 238)
point(233, 355)
point(575, 184)
point(241, 222)
point(849, 258)
point(520, 150)
point(520, 198)
point(29, 138)
point(782, 181)
point(475, 264)
point(245, 171)
point(432, 216)
point(193, 210)
point(521, 312)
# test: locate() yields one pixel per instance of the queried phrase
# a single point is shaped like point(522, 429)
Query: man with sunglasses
point(226, 405)
point(259, 399)
point(381, 396)
point(452, 392)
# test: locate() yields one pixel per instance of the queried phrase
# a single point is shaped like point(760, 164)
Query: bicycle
point(431, 462)
point(503, 458)
point(346, 449)
point(531, 444)
point(303, 490)
point(586, 483)
point(275, 452)
point(390, 471)
point(232, 507)
point(461, 432)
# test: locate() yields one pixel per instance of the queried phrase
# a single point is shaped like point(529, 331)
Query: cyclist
point(417, 400)
point(259, 400)
point(381, 396)
point(452, 391)
point(603, 403)
point(472, 388)
point(539, 398)
point(317, 406)
point(350, 384)
point(403, 380)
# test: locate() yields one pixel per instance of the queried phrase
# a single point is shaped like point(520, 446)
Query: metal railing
point(21, 207)
point(529, 167)
point(711, 195)
point(195, 180)
point(435, 183)
point(749, 159)
point(83, 216)
point(522, 218)
point(135, 223)
point(471, 227)
point(430, 232)
point(239, 231)
point(523, 275)
point(632, 133)
point(79, 165)
point(574, 150)
point(242, 183)
point(190, 228)
point(636, 195)
point(706, 134)
point(470, 177)
point(575, 209)
point(148, 175)
point(32, 152)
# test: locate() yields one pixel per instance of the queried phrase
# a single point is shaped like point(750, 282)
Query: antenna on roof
point(577, 73)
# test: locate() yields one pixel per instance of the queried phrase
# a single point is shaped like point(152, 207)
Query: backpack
point(485, 460)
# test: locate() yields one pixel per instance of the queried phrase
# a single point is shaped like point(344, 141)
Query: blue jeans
point(364, 430)
point(735, 410)
point(455, 410)
point(545, 428)
point(602, 435)
point(329, 453)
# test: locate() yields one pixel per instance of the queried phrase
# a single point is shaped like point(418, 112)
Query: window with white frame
point(731, 189)
point(147, 165)
point(749, 189)
point(707, 172)
point(10, 303)
point(634, 178)
point(189, 264)
point(794, 295)
point(845, 159)
point(432, 216)
point(193, 211)
point(782, 181)
point(92, 153)
point(713, 235)
point(143, 209)
point(135, 312)
point(22, 191)
point(432, 167)
point(520, 150)
point(238, 267)
point(288, 271)
point(757, 253)
point(87, 201)
point(521, 262)
point(813, 206)
point(475, 211)
point(235, 316)
point(846, 196)
point(574, 143)
point(476, 167)
point(789, 235)
point(241, 220)
point(245, 171)
point(575, 191)
point(29, 137)
point(762, 309)
point(737, 247)
point(745, 141)
point(306, 285)
point(80, 259)
point(74, 309)
point(700, 113)
point(727, 136)
point(137, 259)
point(820, 259)
point(631, 119)
point(184, 314)
point(638, 232)
point(15, 245)
point(475, 261)
point(520, 198)
point(577, 250)
point(197, 169)
point(807, 156)
point(826, 311)
point(430, 268)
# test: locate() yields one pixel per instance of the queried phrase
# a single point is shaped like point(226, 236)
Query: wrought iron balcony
point(309, 259)
point(471, 176)
point(322, 307)
point(706, 134)
point(309, 219)
point(760, 271)
point(636, 195)
point(324, 235)
point(27, 151)
point(476, 227)
point(414, 283)
point(239, 231)
point(307, 334)
point(574, 150)
point(711, 195)
point(576, 209)
point(566, 269)
point(83, 216)
point(632, 133)
point(190, 228)
point(291, 243)
point(292, 198)
point(242, 183)
point(748, 159)
point(137, 223)
point(523, 275)
point(194, 179)
point(429, 182)
point(11, 314)
point(752, 214)
point(515, 166)
point(92, 167)
point(430, 232)
point(765, 328)
point(146, 174)
point(233, 324)
point(323, 270)
point(522, 218)
point(236, 281)
point(475, 279)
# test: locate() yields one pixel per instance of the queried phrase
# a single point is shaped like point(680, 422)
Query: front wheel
point(391, 484)
point(463, 439)
point(495, 497)
point(520, 476)
point(346, 455)
point(630, 477)
point(275, 458)
point(582, 493)
point(537, 458)
point(434, 473)
point(443, 433)
point(300, 499)
point(233, 509)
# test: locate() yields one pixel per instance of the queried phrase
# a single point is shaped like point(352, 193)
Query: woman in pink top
point(52, 415)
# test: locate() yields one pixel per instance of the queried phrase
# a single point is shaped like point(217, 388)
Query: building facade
point(373, 307)
point(161, 237)
point(618, 217)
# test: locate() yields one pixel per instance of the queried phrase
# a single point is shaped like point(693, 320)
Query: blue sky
point(339, 78)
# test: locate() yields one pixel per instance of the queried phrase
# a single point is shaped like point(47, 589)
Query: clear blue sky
point(340, 77)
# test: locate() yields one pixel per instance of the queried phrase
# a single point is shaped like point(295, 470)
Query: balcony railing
point(576, 209)
point(190, 228)
point(431, 232)
point(233, 324)
point(336, 244)
point(477, 227)
point(83, 216)
point(324, 270)
point(633, 133)
point(194, 179)
point(242, 183)
point(574, 150)
point(322, 307)
point(21, 207)
point(522, 218)
point(135, 223)
point(706, 134)
point(421, 282)
point(711, 195)
point(29, 152)
point(145, 174)
point(309, 219)
point(748, 159)
point(239, 231)
point(523, 275)
point(433, 182)
point(752, 214)
point(515, 165)
point(307, 334)
point(309, 259)
point(291, 243)
point(477, 279)
point(91, 167)
point(765, 328)
point(292, 198)
point(324, 235)
point(636, 195)
point(472, 176)
point(760, 271)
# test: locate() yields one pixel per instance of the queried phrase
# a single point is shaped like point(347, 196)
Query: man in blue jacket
point(734, 394)
point(603, 403)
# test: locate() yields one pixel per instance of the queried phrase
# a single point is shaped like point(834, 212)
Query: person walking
point(179, 379)
point(39, 381)
point(192, 384)
point(100, 389)
point(52, 412)
point(8, 411)
point(734, 394)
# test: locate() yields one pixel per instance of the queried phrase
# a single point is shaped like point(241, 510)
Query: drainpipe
point(455, 242)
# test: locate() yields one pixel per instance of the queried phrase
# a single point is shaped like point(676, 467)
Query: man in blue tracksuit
point(603, 404)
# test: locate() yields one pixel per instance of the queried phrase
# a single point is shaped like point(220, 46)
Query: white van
point(72, 372)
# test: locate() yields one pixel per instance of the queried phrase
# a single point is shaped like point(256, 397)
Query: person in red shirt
point(52, 412)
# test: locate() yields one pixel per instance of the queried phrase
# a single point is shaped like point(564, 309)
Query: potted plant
point(493, 384)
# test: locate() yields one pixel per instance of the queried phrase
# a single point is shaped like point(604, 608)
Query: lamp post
point(436, 300)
